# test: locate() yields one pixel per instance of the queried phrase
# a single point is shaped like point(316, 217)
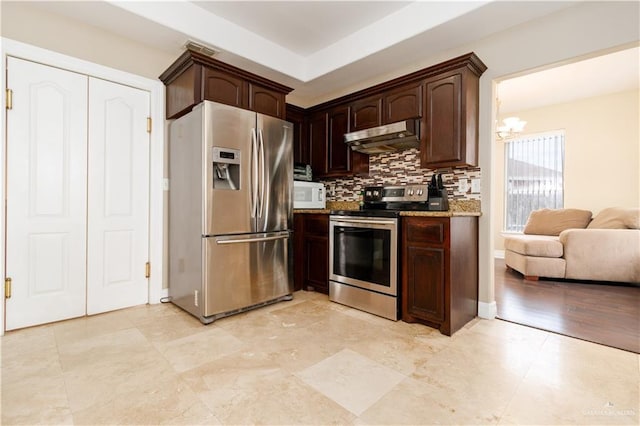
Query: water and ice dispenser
point(226, 168)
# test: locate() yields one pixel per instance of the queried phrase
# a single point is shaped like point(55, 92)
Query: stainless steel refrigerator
point(230, 210)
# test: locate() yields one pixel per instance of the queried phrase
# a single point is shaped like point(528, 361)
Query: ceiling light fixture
point(511, 126)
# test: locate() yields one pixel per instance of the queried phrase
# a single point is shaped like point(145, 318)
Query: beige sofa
point(567, 243)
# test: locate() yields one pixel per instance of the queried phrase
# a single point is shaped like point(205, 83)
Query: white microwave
point(308, 195)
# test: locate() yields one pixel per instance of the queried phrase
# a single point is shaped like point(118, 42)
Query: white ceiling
point(612, 73)
point(303, 27)
point(315, 47)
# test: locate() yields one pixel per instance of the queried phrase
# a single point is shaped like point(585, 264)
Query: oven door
point(363, 253)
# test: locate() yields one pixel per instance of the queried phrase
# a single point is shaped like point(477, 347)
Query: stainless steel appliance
point(387, 138)
point(309, 195)
point(363, 249)
point(230, 210)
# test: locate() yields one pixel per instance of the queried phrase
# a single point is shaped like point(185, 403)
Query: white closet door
point(118, 215)
point(46, 194)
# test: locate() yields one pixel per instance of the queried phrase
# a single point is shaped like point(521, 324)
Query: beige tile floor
point(308, 361)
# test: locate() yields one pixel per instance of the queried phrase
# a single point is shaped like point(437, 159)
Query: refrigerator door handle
point(263, 177)
point(254, 173)
point(253, 240)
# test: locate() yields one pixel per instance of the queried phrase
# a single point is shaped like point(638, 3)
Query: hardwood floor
point(605, 313)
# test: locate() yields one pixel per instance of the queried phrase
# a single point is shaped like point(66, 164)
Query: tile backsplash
point(400, 168)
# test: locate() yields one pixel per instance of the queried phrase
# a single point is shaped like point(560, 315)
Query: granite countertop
point(456, 208)
point(312, 211)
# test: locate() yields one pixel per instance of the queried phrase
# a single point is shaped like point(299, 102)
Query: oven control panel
point(394, 194)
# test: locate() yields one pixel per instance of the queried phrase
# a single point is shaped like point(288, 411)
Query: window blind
point(534, 174)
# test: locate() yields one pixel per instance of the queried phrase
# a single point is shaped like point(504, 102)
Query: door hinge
point(149, 124)
point(7, 288)
point(147, 270)
point(9, 99)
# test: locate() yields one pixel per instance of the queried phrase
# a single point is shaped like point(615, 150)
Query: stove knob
point(419, 191)
point(410, 192)
point(367, 193)
point(376, 193)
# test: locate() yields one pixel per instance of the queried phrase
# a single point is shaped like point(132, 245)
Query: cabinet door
point(318, 144)
point(425, 283)
point(266, 101)
point(317, 263)
point(366, 113)
point(444, 133)
point(295, 116)
point(313, 266)
point(298, 251)
point(339, 152)
point(403, 103)
point(225, 88)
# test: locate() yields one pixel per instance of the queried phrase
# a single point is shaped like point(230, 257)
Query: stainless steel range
point(363, 246)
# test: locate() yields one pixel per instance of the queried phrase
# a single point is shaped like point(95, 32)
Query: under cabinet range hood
point(388, 138)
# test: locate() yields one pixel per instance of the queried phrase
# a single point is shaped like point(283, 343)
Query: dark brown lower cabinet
point(311, 252)
point(440, 271)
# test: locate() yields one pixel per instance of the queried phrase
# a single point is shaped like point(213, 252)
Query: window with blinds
point(534, 167)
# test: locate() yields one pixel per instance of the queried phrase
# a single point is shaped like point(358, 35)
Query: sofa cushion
point(616, 218)
point(554, 221)
point(534, 245)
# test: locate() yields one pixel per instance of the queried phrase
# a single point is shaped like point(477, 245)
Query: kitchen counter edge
point(403, 213)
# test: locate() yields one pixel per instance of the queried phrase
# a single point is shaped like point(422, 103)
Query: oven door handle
point(366, 222)
point(352, 230)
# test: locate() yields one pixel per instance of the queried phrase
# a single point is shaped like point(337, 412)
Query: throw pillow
point(616, 218)
point(554, 221)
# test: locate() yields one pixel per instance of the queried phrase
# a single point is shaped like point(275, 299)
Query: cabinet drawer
point(317, 225)
point(426, 230)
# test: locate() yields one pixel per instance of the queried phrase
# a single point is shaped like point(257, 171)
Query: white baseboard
point(487, 310)
point(498, 254)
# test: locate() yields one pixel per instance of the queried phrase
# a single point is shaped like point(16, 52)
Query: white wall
point(602, 152)
point(33, 25)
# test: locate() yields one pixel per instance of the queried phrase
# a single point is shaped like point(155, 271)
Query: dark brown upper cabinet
point(319, 151)
point(403, 103)
point(225, 88)
point(339, 155)
point(195, 77)
point(297, 116)
point(366, 113)
point(451, 134)
point(266, 101)
point(329, 155)
point(443, 96)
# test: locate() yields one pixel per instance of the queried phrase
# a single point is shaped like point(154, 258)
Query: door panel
point(227, 211)
point(46, 194)
point(277, 203)
point(118, 199)
point(244, 270)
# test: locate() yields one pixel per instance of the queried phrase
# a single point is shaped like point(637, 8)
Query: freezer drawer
point(245, 270)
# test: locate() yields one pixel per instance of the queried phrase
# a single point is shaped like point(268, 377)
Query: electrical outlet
point(463, 186)
point(165, 184)
point(475, 186)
